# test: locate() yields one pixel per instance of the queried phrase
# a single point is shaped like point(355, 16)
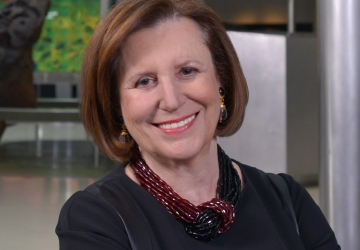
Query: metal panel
point(40, 114)
point(339, 37)
point(291, 17)
point(62, 81)
point(56, 77)
point(281, 127)
point(303, 108)
point(261, 142)
point(104, 7)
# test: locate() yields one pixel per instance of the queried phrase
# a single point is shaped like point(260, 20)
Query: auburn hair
point(101, 70)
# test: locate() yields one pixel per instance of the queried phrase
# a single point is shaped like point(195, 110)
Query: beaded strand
point(206, 220)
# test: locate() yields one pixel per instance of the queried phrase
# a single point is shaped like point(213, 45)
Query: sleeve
point(315, 231)
point(87, 222)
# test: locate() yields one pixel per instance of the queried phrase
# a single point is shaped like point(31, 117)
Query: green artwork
point(67, 30)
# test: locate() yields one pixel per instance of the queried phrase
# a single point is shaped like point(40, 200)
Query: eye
point(144, 81)
point(188, 71)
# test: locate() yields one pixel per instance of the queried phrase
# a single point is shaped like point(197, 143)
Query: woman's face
point(169, 92)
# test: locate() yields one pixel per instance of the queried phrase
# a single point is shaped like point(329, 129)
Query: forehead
point(180, 24)
point(177, 38)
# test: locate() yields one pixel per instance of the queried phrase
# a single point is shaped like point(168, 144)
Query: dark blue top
point(88, 222)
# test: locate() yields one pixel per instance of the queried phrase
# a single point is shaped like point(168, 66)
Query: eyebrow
point(136, 76)
point(189, 62)
point(149, 72)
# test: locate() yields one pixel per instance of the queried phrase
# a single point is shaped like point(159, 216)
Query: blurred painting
point(67, 30)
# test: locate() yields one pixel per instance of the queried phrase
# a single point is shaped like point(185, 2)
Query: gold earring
point(223, 111)
point(124, 133)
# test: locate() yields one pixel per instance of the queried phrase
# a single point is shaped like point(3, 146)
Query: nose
point(171, 96)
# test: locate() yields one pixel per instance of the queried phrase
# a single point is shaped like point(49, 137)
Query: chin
point(183, 152)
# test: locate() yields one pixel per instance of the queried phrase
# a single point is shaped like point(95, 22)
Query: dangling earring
point(124, 133)
point(223, 111)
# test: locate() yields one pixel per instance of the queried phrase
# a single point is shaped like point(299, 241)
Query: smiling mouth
point(177, 124)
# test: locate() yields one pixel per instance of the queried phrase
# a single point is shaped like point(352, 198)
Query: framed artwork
point(66, 32)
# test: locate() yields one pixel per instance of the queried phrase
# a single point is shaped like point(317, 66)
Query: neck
point(194, 179)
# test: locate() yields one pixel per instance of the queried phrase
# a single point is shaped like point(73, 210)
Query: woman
point(161, 82)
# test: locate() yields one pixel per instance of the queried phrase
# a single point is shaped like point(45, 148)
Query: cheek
point(136, 108)
point(130, 108)
point(209, 94)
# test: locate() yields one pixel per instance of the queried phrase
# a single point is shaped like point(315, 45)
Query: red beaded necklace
point(206, 220)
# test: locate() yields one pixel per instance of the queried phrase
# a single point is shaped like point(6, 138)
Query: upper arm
point(87, 222)
point(315, 231)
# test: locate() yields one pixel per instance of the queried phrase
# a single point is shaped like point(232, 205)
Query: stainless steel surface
point(63, 90)
point(57, 102)
point(261, 142)
point(291, 17)
point(40, 114)
point(339, 37)
point(104, 7)
point(63, 82)
point(39, 132)
point(56, 77)
point(281, 127)
point(303, 108)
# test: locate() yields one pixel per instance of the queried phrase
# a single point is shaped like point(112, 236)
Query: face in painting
point(169, 92)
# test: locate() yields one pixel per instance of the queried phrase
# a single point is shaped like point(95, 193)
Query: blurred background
point(46, 155)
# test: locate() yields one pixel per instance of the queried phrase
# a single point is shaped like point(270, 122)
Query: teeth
point(177, 124)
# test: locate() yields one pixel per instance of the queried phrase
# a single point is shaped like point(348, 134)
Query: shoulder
point(88, 204)
point(115, 176)
point(310, 218)
point(83, 210)
point(298, 193)
point(259, 176)
point(315, 231)
point(252, 174)
point(87, 221)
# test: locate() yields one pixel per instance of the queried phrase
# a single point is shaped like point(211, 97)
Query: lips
point(179, 124)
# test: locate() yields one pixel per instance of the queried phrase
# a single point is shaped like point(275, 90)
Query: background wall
point(69, 26)
point(262, 12)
